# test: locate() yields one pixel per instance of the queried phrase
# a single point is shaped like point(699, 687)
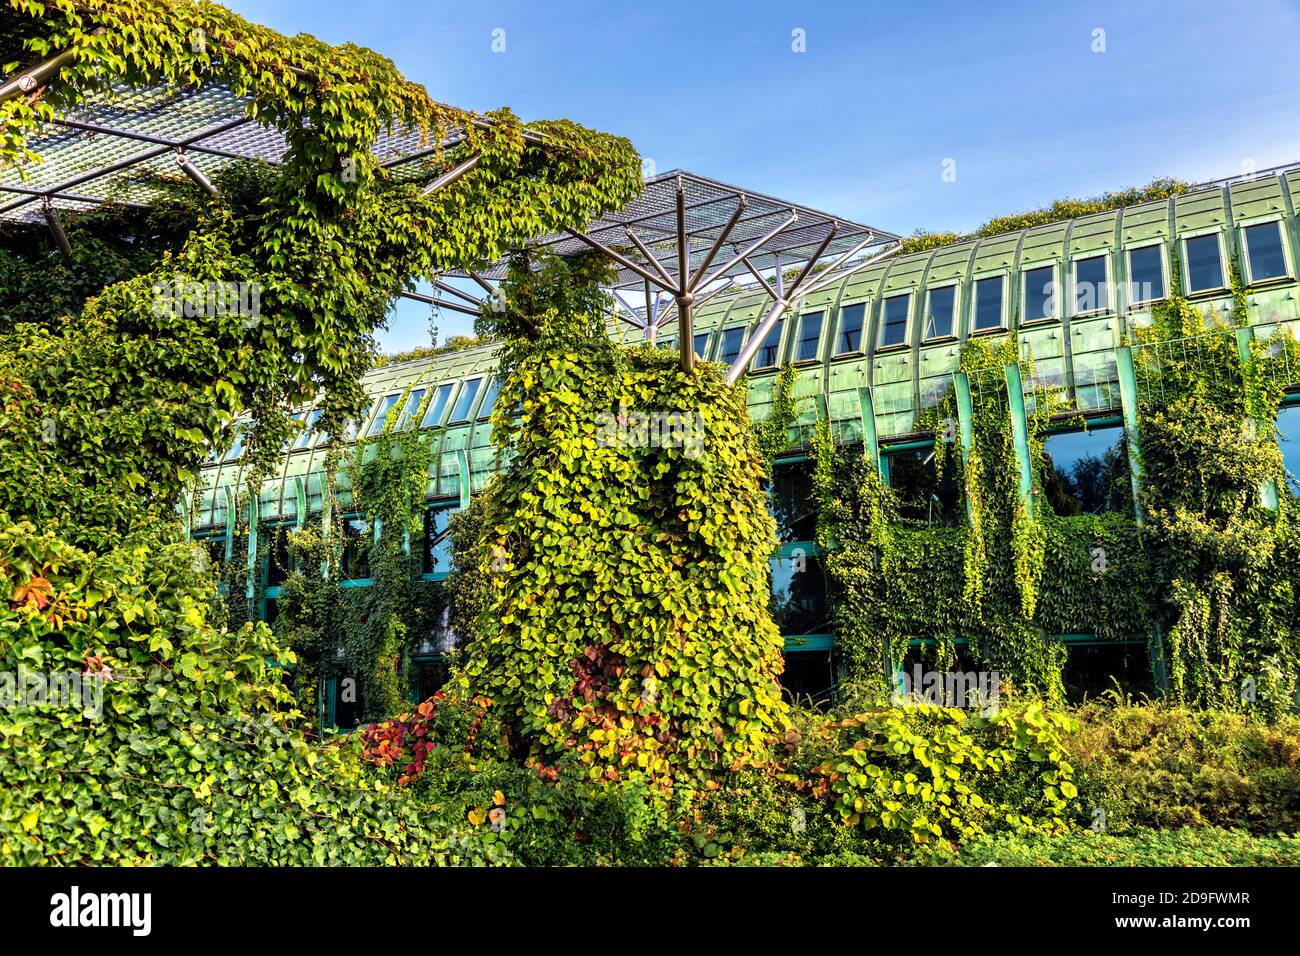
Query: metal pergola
point(126, 145)
point(687, 238)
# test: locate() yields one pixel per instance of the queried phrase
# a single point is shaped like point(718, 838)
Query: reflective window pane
point(490, 398)
point(1040, 294)
point(1264, 247)
point(386, 406)
point(437, 542)
point(412, 408)
point(923, 498)
point(701, 343)
point(988, 303)
point(466, 401)
point(437, 406)
point(732, 340)
point(1090, 290)
point(810, 337)
point(1288, 440)
point(799, 594)
point(940, 312)
point(769, 353)
point(893, 325)
point(850, 339)
point(1204, 267)
point(1087, 472)
point(1146, 274)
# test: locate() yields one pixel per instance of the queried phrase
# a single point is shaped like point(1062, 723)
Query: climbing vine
point(626, 546)
point(1219, 512)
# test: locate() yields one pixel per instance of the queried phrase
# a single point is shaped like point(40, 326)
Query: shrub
point(192, 756)
point(1182, 847)
point(1157, 766)
point(911, 774)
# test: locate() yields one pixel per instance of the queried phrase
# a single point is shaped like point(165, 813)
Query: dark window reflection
point(1288, 440)
point(437, 542)
point(1040, 294)
point(1095, 669)
point(922, 497)
point(278, 561)
point(799, 593)
point(1264, 246)
point(790, 499)
point(1146, 274)
point(1204, 267)
point(1087, 472)
point(807, 675)
point(356, 548)
point(770, 351)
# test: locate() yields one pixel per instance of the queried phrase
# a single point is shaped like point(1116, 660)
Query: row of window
point(430, 413)
point(1042, 300)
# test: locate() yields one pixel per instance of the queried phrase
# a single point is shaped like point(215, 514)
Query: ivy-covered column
point(870, 441)
point(1020, 434)
point(1128, 404)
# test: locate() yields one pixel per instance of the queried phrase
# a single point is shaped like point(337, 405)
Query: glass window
point(1040, 294)
point(278, 560)
point(436, 558)
point(490, 398)
point(769, 353)
point(412, 408)
point(466, 401)
point(701, 344)
point(1204, 267)
point(1288, 440)
point(850, 339)
point(1087, 472)
point(799, 592)
point(237, 447)
point(377, 425)
point(808, 674)
point(1146, 274)
point(304, 437)
point(1264, 249)
point(941, 307)
point(923, 498)
point(810, 337)
point(1091, 293)
point(433, 416)
point(791, 501)
point(893, 325)
point(988, 303)
point(732, 340)
point(356, 548)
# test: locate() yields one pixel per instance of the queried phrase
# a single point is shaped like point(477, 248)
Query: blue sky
point(861, 122)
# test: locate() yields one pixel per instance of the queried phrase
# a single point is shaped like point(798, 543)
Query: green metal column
point(462, 467)
point(1020, 434)
point(965, 420)
point(1268, 489)
point(253, 569)
point(870, 441)
point(1128, 404)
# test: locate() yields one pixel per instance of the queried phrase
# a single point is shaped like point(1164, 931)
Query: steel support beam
point(453, 174)
point(56, 229)
point(756, 339)
point(1128, 405)
point(195, 174)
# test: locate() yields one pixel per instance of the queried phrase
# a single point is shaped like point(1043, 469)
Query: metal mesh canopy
point(709, 207)
point(122, 146)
